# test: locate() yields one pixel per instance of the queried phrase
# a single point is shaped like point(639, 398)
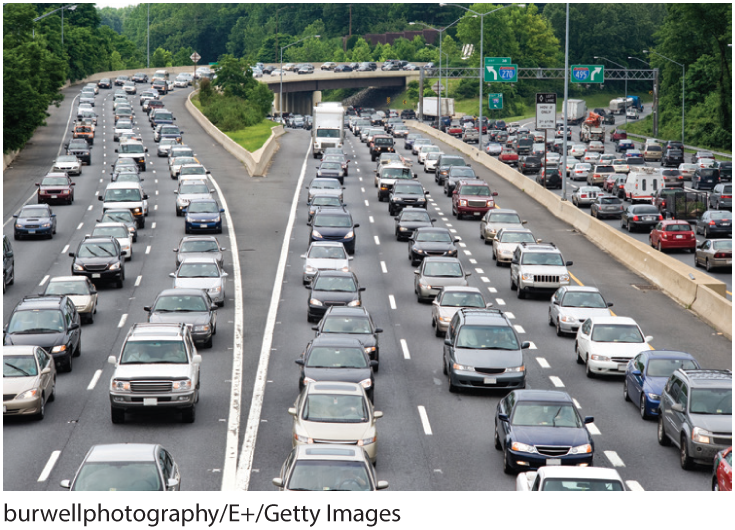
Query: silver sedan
point(449, 301)
point(571, 305)
point(202, 273)
point(437, 273)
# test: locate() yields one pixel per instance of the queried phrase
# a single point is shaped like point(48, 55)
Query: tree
point(361, 51)
point(161, 58)
point(181, 57)
point(234, 76)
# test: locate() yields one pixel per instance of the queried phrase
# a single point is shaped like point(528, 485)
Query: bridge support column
point(316, 98)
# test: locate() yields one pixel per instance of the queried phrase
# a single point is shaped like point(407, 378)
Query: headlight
point(45, 225)
point(214, 290)
point(520, 368)
point(523, 448)
point(701, 436)
point(564, 278)
point(350, 234)
point(28, 394)
point(58, 349)
point(445, 319)
point(654, 397)
point(370, 349)
point(77, 267)
point(204, 327)
point(314, 301)
point(602, 358)
point(316, 234)
point(421, 199)
point(309, 380)
point(120, 386)
point(418, 251)
point(302, 439)
point(567, 318)
point(366, 383)
point(527, 277)
point(581, 449)
point(463, 367)
point(137, 211)
point(181, 386)
point(402, 229)
point(345, 269)
point(367, 441)
point(452, 252)
point(354, 303)
point(115, 266)
point(309, 269)
point(463, 202)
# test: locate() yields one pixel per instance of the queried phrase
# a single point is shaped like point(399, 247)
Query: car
point(332, 170)
point(672, 178)
point(622, 146)
point(596, 146)
point(124, 216)
point(618, 134)
point(585, 195)
point(104, 83)
point(79, 289)
point(199, 247)
point(493, 148)
point(506, 241)
point(183, 81)
point(664, 197)
point(176, 160)
point(408, 220)
point(418, 142)
point(339, 158)
point(99, 258)
point(705, 178)
point(550, 177)
point(55, 187)
point(352, 322)
point(150, 105)
point(580, 171)
point(620, 165)
point(69, 164)
point(340, 412)
point(203, 215)
point(713, 253)
point(334, 224)
point(605, 344)
point(324, 186)
point(568, 478)
point(450, 300)
point(49, 322)
point(408, 114)
point(133, 150)
point(168, 131)
point(672, 158)
point(508, 156)
point(129, 87)
point(700, 155)
point(323, 256)
point(640, 217)
point(424, 150)
point(725, 167)
point(572, 305)
point(446, 161)
point(191, 189)
point(410, 139)
point(454, 175)
point(431, 241)
point(202, 273)
point(164, 146)
point(695, 414)
point(120, 232)
point(482, 351)
point(399, 131)
point(332, 288)
point(342, 68)
point(123, 126)
point(721, 197)
point(128, 195)
point(160, 117)
point(471, 197)
point(192, 307)
point(714, 222)
point(406, 194)
point(538, 268)
point(606, 206)
point(687, 170)
point(8, 263)
point(140, 77)
point(29, 381)
point(647, 373)
point(498, 218)
point(322, 201)
point(431, 161)
point(435, 273)
point(529, 164)
point(722, 471)
point(671, 234)
point(34, 220)
point(597, 176)
point(160, 85)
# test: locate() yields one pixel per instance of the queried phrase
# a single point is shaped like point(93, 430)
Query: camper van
point(642, 184)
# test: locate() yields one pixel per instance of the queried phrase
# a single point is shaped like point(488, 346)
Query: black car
point(343, 68)
point(409, 194)
point(529, 164)
point(705, 178)
point(537, 428)
point(140, 77)
point(319, 201)
point(672, 158)
point(352, 323)
point(104, 83)
point(407, 221)
point(431, 241)
point(443, 165)
point(714, 223)
point(500, 125)
point(193, 307)
point(725, 168)
point(332, 288)
point(331, 170)
point(51, 322)
point(454, 175)
point(640, 217)
point(328, 358)
point(549, 177)
point(408, 114)
point(99, 259)
point(81, 149)
point(334, 224)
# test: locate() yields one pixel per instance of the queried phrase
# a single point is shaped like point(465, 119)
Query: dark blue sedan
point(35, 220)
point(203, 215)
point(537, 428)
point(647, 374)
point(334, 224)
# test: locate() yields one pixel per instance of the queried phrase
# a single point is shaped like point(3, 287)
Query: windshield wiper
point(36, 330)
point(16, 368)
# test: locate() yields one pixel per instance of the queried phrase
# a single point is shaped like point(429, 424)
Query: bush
point(231, 113)
point(206, 93)
point(468, 88)
point(429, 93)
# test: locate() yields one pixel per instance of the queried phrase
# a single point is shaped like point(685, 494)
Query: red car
point(673, 235)
point(55, 187)
point(722, 472)
point(455, 129)
point(618, 134)
point(508, 156)
point(473, 198)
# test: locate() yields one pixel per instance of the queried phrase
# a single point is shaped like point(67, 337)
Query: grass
point(250, 138)
point(644, 127)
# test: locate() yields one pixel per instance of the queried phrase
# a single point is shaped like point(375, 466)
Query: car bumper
point(201, 337)
point(531, 287)
point(29, 232)
point(705, 453)
point(465, 379)
point(676, 244)
point(475, 212)
point(99, 275)
point(400, 205)
point(144, 401)
point(348, 243)
point(56, 197)
point(529, 461)
point(22, 407)
point(607, 367)
point(203, 227)
point(569, 327)
point(648, 225)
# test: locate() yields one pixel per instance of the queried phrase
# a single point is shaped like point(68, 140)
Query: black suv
point(408, 114)
point(51, 322)
point(352, 323)
point(482, 350)
point(81, 149)
point(406, 195)
point(332, 288)
point(672, 158)
point(696, 414)
point(443, 164)
point(99, 258)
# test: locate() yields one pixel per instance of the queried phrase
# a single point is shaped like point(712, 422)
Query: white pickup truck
point(570, 478)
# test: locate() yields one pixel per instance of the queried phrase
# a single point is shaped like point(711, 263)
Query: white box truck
point(328, 129)
point(431, 105)
point(576, 111)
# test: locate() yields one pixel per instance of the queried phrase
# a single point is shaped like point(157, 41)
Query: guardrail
point(702, 294)
point(725, 155)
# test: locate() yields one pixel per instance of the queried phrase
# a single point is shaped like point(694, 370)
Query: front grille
point(552, 450)
point(8, 397)
point(722, 439)
point(160, 399)
point(435, 253)
point(330, 303)
point(341, 442)
point(490, 370)
point(622, 360)
point(477, 204)
point(151, 386)
point(481, 384)
point(54, 192)
point(333, 238)
point(95, 267)
point(542, 278)
point(32, 226)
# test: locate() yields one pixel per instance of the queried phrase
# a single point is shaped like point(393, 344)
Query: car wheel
point(117, 416)
point(589, 373)
point(452, 389)
point(626, 396)
point(507, 469)
point(188, 415)
point(661, 435)
point(90, 317)
point(498, 263)
point(438, 332)
point(521, 293)
point(577, 354)
point(559, 332)
point(696, 261)
point(208, 343)
point(658, 247)
point(41, 411)
point(497, 441)
point(707, 265)
point(68, 365)
point(642, 407)
point(52, 397)
point(706, 233)
point(78, 349)
point(685, 460)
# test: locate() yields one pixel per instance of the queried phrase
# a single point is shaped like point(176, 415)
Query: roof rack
point(465, 310)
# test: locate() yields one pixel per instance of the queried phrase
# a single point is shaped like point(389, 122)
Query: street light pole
point(278, 24)
point(148, 38)
point(626, 84)
point(70, 7)
point(683, 88)
point(280, 90)
point(566, 94)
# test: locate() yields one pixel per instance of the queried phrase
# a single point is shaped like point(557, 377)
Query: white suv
point(538, 267)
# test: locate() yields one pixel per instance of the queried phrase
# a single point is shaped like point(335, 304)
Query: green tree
point(233, 76)
point(181, 57)
point(161, 58)
point(361, 51)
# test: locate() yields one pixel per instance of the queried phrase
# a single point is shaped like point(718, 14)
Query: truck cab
point(328, 127)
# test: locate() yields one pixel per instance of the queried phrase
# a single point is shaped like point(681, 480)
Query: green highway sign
point(588, 73)
point(495, 101)
point(495, 61)
point(507, 73)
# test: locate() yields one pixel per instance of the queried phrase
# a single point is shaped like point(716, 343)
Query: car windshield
point(128, 176)
point(332, 221)
point(542, 258)
point(182, 160)
point(617, 333)
point(352, 325)
point(118, 476)
point(720, 215)
point(516, 237)
point(180, 303)
point(505, 218)
point(114, 231)
point(169, 130)
point(164, 116)
point(203, 207)
point(666, 367)
point(325, 185)
point(334, 158)
point(19, 366)
point(335, 408)
point(199, 246)
point(193, 170)
point(582, 299)
point(54, 181)
point(609, 200)
point(198, 270)
point(452, 162)
point(461, 299)
point(335, 284)
point(434, 237)
point(546, 415)
point(571, 484)
point(67, 159)
point(644, 210)
point(415, 189)
point(132, 148)
point(67, 287)
point(711, 401)
point(487, 338)
point(483, 191)
point(193, 189)
point(326, 201)
point(154, 352)
point(383, 141)
point(462, 173)
point(124, 217)
point(182, 153)
point(415, 215)
point(443, 269)
point(33, 211)
point(329, 475)
point(678, 228)
point(725, 244)
point(78, 144)
point(97, 250)
point(36, 321)
point(323, 252)
point(395, 173)
point(122, 195)
point(330, 165)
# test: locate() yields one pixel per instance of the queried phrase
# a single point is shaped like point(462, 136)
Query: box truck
point(328, 128)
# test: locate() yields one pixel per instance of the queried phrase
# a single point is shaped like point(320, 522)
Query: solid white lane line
point(614, 459)
point(45, 279)
point(148, 249)
point(49, 466)
point(122, 320)
point(500, 301)
point(377, 241)
point(425, 421)
point(95, 378)
point(392, 301)
point(370, 218)
point(634, 485)
point(66, 247)
point(557, 382)
point(137, 281)
point(383, 267)
point(519, 328)
point(80, 226)
point(241, 480)
point(404, 347)
point(543, 362)
point(592, 428)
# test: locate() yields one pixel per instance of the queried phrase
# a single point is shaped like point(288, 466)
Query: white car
point(570, 478)
point(571, 162)
point(426, 149)
point(596, 146)
point(507, 240)
point(606, 344)
point(493, 148)
point(69, 164)
point(450, 300)
point(430, 161)
point(578, 150)
point(120, 232)
point(325, 255)
point(591, 157)
point(687, 170)
point(574, 304)
point(580, 171)
point(181, 82)
point(204, 274)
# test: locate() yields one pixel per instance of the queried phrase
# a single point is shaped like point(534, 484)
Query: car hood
point(107, 260)
point(18, 385)
point(66, 164)
point(348, 375)
point(554, 270)
point(433, 246)
point(438, 281)
point(80, 300)
point(488, 358)
point(654, 385)
point(497, 226)
point(337, 231)
point(404, 196)
point(326, 263)
point(336, 431)
point(193, 319)
point(618, 349)
point(33, 220)
point(547, 435)
point(713, 422)
point(197, 283)
point(152, 371)
point(193, 217)
point(44, 340)
point(413, 224)
point(583, 313)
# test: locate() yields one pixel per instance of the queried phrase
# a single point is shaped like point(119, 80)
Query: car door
point(449, 341)
point(583, 339)
point(668, 398)
point(46, 379)
point(504, 428)
point(71, 317)
point(656, 233)
point(679, 419)
point(635, 381)
point(702, 251)
point(555, 304)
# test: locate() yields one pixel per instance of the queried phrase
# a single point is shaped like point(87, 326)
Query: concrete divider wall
point(9, 157)
point(257, 162)
point(704, 295)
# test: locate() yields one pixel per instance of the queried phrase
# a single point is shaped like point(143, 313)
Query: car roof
point(442, 259)
point(579, 472)
point(433, 229)
point(198, 259)
point(110, 225)
point(19, 350)
point(80, 279)
point(542, 395)
point(580, 289)
point(122, 185)
point(706, 378)
point(122, 452)
point(328, 272)
point(334, 387)
point(460, 289)
point(347, 311)
point(145, 330)
point(181, 292)
point(612, 320)
point(40, 302)
point(329, 340)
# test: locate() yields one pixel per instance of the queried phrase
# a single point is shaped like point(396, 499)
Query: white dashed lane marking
point(614, 459)
point(371, 219)
point(45, 279)
point(500, 301)
point(122, 320)
point(49, 466)
point(543, 362)
point(425, 421)
point(519, 328)
point(577, 403)
point(138, 280)
point(392, 301)
point(556, 381)
point(367, 203)
point(80, 226)
point(510, 315)
point(592, 428)
point(532, 345)
point(383, 267)
point(153, 225)
point(468, 253)
point(404, 347)
point(63, 251)
point(634, 485)
point(473, 261)
point(90, 208)
point(148, 249)
point(95, 378)
point(479, 270)
point(377, 240)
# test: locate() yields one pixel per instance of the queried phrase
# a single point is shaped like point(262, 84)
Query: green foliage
point(468, 88)
point(232, 113)
point(351, 42)
point(412, 90)
point(206, 92)
point(233, 76)
point(181, 57)
point(429, 93)
point(161, 58)
point(361, 51)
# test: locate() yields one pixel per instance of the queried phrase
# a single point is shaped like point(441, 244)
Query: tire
point(507, 469)
point(576, 352)
point(52, 397)
point(188, 415)
point(68, 365)
point(498, 263)
point(452, 389)
point(117, 416)
point(686, 461)
point(589, 373)
point(696, 262)
point(42, 411)
point(208, 343)
point(642, 407)
point(626, 396)
point(497, 441)
point(661, 436)
point(78, 350)
point(521, 293)
point(559, 332)
point(658, 247)
point(707, 265)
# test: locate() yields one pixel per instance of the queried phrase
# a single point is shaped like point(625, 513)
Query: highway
point(429, 439)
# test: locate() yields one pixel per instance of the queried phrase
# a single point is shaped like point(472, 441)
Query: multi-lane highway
point(429, 439)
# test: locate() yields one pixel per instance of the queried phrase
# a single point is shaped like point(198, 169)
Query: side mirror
point(278, 482)
point(361, 289)
point(457, 240)
point(569, 263)
point(71, 254)
point(357, 225)
point(525, 345)
point(447, 341)
point(315, 328)
point(116, 150)
point(66, 483)
point(635, 372)
point(524, 222)
point(466, 274)
point(111, 360)
point(300, 362)
point(378, 330)
point(382, 485)
point(503, 417)
point(197, 359)
point(377, 414)
point(292, 411)
point(454, 192)
point(678, 407)
point(417, 272)
point(176, 250)
point(147, 308)
point(609, 304)
point(495, 194)
point(589, 419)
point(99, 198)
point(649, 338)
point(415, 176)
point(172, 274)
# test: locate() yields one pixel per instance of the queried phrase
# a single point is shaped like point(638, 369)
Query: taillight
point(712, 223)
point(663, 204)
point(660, 217)
point(664, 235)
point(635, 217)
point(722, 255)
point(583, 196)
point(725, 196)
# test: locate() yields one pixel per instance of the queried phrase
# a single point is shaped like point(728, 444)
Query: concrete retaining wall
point(704, 295)
point(9, 157)
point(256, 163)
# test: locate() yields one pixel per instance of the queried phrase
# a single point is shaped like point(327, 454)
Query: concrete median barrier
point(690, 287)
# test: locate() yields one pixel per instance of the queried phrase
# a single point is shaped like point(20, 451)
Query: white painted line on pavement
point(463, 245)
point(634, 485)
point(519, 328)
point(122, 320)
point(377, 240)
point(500, 301)
point(557, 382)
point(532, 345)
point(592, 428)
point(485, 279)
point(467, 252)
point(148, 249)
point(404, 347)
point(80, 226)
point(138, 280)
point(510, 315)
point(392, 301)
point(367, 203)
point(359, 178)
point(492, 289)
point(577, 403)
point(614, 459)
point(449, 225)
point(371, 219)
point(452, 230)
point(425, 421)
point(155, 207)
point(156, 192)
point(383, 268)
point(63, 250)
point(153, 225)
point(95, 378)
point(49, 466)
point(362, 190)
point(45, 279)
point(473, 261)
point(90, 208)
point(478, 270)
point(543, 363)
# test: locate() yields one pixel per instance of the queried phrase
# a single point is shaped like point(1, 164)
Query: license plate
point(54, 196)
point(202, 226)
point(679, 237)
point(96, 275)
point(476, 214)
point(31, 231)
point(150, 402)
point(489, 381)
point(649, 218)
point(622, 367)
point(553, 461)
point(5, 409)
point(725, 224)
